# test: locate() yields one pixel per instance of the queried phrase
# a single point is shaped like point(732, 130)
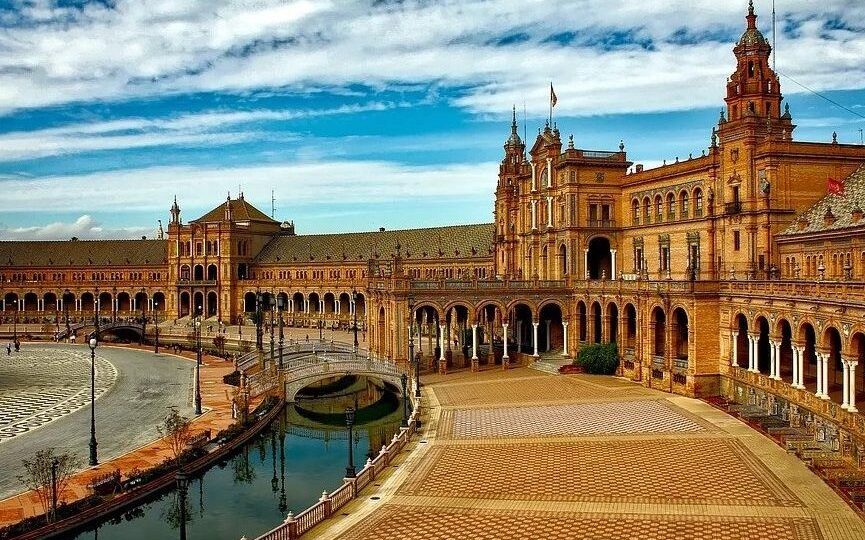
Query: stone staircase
point(550, 362)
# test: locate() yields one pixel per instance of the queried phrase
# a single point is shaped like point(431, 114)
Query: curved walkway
point(127, 420)
point(522, 454)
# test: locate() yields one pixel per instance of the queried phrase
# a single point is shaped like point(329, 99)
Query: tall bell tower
point(507, 202)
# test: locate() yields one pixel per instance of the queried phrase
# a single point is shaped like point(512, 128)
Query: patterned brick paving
point(675, 471)
point(399, 522)
point(41, 384)
point(618, 417)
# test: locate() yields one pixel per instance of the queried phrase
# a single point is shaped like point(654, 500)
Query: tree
point(175, 427)
point(39, 478)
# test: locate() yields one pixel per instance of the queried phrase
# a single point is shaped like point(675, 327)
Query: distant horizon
point(362, 116)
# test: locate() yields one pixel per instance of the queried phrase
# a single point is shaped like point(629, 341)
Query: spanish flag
point(835, 187)
point(553, 98)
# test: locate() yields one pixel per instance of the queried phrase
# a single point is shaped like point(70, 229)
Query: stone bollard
point(475, 365)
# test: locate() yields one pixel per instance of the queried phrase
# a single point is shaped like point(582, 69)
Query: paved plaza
point(45, 397)
point(522, 454)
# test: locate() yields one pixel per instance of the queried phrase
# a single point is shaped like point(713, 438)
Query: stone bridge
point(298, 372)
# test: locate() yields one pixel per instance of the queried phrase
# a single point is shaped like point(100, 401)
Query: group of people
point(15, 343)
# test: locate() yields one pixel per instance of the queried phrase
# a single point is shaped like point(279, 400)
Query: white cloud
point(85, 227)
point(141, 48)
point(198, 129)
point(295, 183)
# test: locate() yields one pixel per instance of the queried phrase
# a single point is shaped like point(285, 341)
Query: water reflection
point(303, 452)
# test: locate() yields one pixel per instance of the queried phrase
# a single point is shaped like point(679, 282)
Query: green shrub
point(599, 358)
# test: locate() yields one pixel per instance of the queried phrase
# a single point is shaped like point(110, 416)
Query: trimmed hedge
point(598, 358)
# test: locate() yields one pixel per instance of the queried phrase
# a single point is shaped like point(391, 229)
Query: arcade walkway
point(522, 454)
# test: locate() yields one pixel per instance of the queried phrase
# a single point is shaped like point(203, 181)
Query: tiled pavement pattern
point(618, 417)
point(401, 522)
point(642, 471)
point(503, 457)
point(39, 385)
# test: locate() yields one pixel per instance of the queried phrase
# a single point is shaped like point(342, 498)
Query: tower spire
point(751, 18)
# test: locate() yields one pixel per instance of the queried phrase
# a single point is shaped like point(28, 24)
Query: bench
point(106, 484)
point(199, 440)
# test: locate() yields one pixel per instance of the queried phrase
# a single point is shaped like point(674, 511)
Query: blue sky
point(366, 114)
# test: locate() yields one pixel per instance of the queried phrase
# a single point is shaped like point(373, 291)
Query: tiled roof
point(459, 241)
point(842, 207)
point(82, 253)
point(240, 211)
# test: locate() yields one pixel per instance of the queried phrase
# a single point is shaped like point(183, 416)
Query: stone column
point(752, 354)
point(474, 342)
point(535, 341)
point(547, 349)
point(800, 361)
point(819, 390)
point(613, 264)
point(825, 377)
point(519, 332)
point(734, 344)
point(549, 172)
point(586, 262)
point(443, 363)
point(565, 341)
point(505, 343)
point(845, 384)
point(772, 354)
point(534, 215)
point(534, 176)
point(851, 396)
point(549, 211)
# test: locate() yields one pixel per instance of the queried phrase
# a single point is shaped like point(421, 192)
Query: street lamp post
point(93, 342)
point(156, 324)
point(258, 333)
point(415, 362)
point(143, 319)
point(404, 380)
point(272, 306)
point(354, 303)
point(66, 310)
point(280, 305)
point(349, 421)
point(15, 324)
point(198, 362)
point(114, 304)
point(182, 487)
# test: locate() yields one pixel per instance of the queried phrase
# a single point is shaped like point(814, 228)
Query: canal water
point(303, 452)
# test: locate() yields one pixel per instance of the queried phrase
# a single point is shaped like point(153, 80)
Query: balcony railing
point(732, 208)
point(602, 223)
point(196, 282)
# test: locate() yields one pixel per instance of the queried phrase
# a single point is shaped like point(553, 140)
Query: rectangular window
point(736, 241)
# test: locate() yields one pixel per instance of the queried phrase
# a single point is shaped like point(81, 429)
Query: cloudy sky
point(366, 114)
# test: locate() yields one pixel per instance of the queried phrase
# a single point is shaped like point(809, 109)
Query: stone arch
point(740, 347)
point(599, 258)
point(832, 343)
point(659, 335)
point(784, 335)
point(680, 334)
point(596, 318)
point(329, 303)
point(510, 306)
point(298, 301)
point(212, 304)
point(159, 301)
point(671, 205)
point(105, 301)
point(249, 302)
point(522, 317)
point(314, 303)
point(764, 349)
point(630, 330)
point(212, 272)
point(472, 310)
point(198, 303)
point(49, 301)
point(31, 301)
point(551, 332)
point(612, 314)
point(184, 273)
point(583, 324)
point(635, 211)
point(684, 204)
point(88, 302)
point(198, 272)
point(124, 302)
point(857, 354)
point(360, 305)
point(563, 260)
point(10, 299)
point(806, 337)
point(184, 304)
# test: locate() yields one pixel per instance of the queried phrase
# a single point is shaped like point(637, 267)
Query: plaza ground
point(523, 454)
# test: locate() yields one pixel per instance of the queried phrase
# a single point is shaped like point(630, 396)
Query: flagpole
point(551, 104)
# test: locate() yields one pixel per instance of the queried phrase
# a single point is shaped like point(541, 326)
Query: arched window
point(184, 273)
point(683, 204)
point(671, 206)
point(698, 202)
point(646, 216)
point(659, 209)
point(635, 212)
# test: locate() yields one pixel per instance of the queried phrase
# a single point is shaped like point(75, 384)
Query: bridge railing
point(330, 503)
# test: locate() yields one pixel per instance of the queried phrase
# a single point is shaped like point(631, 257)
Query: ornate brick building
point(732, 272)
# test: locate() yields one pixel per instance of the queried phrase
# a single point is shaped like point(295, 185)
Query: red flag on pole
point(835, 187)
